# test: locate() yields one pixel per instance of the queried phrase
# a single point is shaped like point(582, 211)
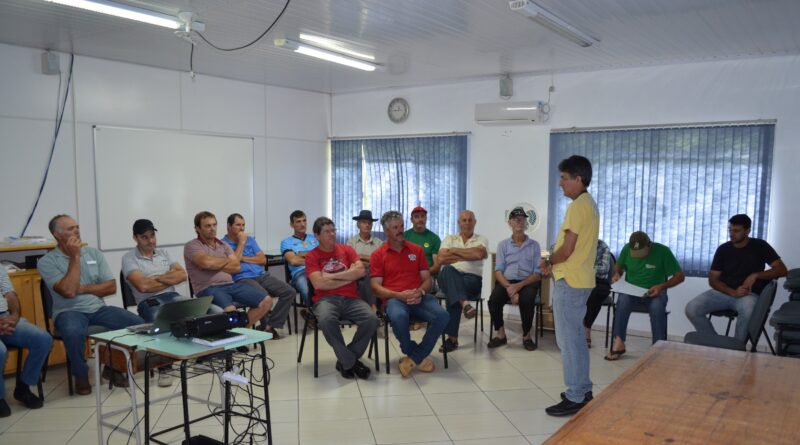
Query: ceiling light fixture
point(552, 22)
point(132, 13)
point(324, 54)
point(334, 45)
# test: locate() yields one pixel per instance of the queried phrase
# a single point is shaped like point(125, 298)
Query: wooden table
point(686, 394)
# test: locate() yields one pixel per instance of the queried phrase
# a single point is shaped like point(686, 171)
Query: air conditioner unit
point(508, 113)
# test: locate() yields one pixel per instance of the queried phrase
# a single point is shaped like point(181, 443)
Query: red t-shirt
point(339, 260)
point(399, 270)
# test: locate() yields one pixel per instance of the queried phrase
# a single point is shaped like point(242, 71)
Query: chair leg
point(69, 378)
point(769, 342)
point(374, 343)
point(608, 322)
point(444, 351)
point(316, 350)
point(728, 329)
point(302, 342)
point(296, 326)
point(386, 344)
point(475, 334)
point(289, 322)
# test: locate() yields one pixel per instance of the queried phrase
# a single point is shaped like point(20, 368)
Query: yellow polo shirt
point(582, 219)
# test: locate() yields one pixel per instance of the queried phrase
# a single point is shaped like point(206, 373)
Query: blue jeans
point(300, 282)
point(400, 314)
point(38, 343)
point(74, 325)
point(569, 307)
point(148, 312)
point(712, 300)
point(458, 286)
point(657, 307)
point(223, 295)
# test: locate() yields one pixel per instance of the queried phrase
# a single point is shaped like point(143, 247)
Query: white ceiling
point(418, 42)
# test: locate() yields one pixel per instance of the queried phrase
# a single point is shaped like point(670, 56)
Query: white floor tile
point(516, 400)
point(332, 409)
point(460, 403)
point(397, 406)
point(477, 426)
point(335, 432)
point(408, 430)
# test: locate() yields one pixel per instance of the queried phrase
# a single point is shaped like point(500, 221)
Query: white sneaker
point(164, 379)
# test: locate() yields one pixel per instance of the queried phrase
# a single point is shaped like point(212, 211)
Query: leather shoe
point(5, 410)
point(361, 370)
point(119, 379)
point(566, 408)
point(346, 373)
point(496, 342)
point(274, 332)
point(448, 346)
point(82, 386)
point(24, 395)
point(528, 344)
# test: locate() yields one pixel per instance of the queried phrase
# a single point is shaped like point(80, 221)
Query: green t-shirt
point(651, 270)
point(429, 241)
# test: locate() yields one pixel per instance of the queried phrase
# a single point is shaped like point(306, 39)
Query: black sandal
point(614, 355)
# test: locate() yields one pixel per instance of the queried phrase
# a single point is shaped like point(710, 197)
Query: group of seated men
point(353, 281)
point(737, 277)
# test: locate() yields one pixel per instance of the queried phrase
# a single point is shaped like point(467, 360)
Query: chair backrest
point(127, 293)
point(761, 312)
point(47, 305)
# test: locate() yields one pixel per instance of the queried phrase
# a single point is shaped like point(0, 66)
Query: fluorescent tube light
point(129, 12)
point(324, 54)
point(333, 45)
point(520, 108)
point(552, 22)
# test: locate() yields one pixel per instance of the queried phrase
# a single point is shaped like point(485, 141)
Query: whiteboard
point(168, 177)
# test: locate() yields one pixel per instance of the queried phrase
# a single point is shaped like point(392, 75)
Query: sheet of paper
point(623, 287)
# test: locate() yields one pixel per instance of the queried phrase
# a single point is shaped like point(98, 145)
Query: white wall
point(510, 164)
point(290, 128)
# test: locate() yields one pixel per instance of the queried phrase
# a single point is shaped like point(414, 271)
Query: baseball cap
point(419, 209)
point(141, 226)
point(640, 244)
point(517, 211)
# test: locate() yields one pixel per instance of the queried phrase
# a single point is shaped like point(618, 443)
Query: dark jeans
point(599, 294)
point(74, 325)
point(282, 297)
point(458, 286)
point(527, 305)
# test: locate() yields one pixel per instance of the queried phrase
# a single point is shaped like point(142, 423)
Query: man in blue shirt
point(294, 250)
point(253, 271)
point(517, 279)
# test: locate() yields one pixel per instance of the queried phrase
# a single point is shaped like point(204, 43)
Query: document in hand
point(623, 287)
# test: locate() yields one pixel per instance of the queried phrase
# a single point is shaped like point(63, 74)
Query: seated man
point(737, 277)
point(651, 266)
point(16, 331)
point(333, 270)
point(400, 277)
point(461, 275)
point(364, 244)
point(78, 278)
point(152, 275)
point(210, 263)
point(517, 278)
point(421, 236)
point(603, 264)
point(253, 272)
point(294, 250)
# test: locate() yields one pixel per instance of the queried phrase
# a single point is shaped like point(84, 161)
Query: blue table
point(180, 349)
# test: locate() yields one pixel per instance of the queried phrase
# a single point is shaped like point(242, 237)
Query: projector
point(205, 325)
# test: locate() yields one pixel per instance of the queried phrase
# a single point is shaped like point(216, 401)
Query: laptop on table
point(172, 312)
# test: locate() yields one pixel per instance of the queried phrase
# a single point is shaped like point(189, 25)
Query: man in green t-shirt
point(651, 266)
point(421, 236)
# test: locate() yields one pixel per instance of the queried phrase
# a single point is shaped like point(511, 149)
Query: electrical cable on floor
point(53, 144)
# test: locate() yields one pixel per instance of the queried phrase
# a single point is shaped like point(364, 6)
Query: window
point(399, 174)
point(680, 185)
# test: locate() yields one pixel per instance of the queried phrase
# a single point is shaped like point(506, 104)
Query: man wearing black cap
point(364, 244)
point(153, 275)
point(651, 266)
point(517, 278)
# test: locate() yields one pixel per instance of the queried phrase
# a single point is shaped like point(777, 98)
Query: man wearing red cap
point(421, 236)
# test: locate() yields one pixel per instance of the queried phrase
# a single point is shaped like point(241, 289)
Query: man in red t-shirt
point(333, 270)
point(400, 277)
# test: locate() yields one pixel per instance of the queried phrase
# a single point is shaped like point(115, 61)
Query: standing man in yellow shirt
point(572, 267)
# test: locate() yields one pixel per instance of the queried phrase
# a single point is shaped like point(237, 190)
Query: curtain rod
point(666, 126)
point(400, 136)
